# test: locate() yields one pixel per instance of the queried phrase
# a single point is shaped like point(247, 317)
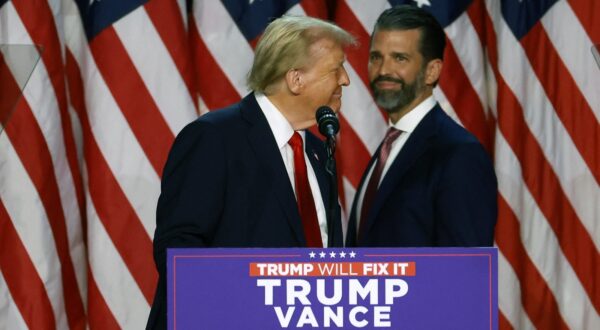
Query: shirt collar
point(281, 128)
point(409, 121)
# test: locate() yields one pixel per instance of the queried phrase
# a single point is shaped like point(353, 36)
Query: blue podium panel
point(301, 288)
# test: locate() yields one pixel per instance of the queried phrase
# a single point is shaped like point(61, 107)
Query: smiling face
point(322, 79)
point(400, 78)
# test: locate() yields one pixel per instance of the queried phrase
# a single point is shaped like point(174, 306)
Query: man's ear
point(294, 82)
point(433, 71)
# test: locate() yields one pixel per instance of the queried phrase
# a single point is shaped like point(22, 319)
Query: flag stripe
point(167, 90)
point(510, 308)
point(537, 298)
point(31, 148)
point(36, 25)
point(46, 110)
point(207, 67)
point(361, 112)
point(39, 22)
point(22, 279)
point(503, 322)
point(130, 93)
point(548, 193)
point(367, 12)
point(441, 98)
point(546, 126)
point(132, 169)
point(169, 23)
point(587, 12)
point(114, 276)
point(464, 81)
point(353, 159)
point(99, 317)
point(464, 99)
point(114, 209)
point(542, 244)
point(566, 34)
point(357, 57)
point(9, 311)
point(120, 220)
point(473, 13)
point(36, 236)
point(469, 49)
point(215, 25)
point(564, 95)
point(315, 8)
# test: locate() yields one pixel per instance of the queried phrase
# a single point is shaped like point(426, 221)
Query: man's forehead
point(326, 46)
point(396, 38)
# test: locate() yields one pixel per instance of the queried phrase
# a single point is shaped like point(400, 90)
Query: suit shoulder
point(221, 118)
point(206, 135)
point(451, 131)
point(453, 140)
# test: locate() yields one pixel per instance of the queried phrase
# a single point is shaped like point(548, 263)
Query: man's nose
point(385, 69)
point(344, 78)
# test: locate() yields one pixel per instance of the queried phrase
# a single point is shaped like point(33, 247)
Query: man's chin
point(335, 105)
point(387, 104)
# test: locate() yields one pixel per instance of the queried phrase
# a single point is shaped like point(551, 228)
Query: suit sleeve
point(191, 201)
point(466, 199)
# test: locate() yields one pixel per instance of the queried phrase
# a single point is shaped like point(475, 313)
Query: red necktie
point(391, 136)
point(306, 203)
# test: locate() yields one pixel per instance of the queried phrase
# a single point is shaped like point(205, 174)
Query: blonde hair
point(285, 45)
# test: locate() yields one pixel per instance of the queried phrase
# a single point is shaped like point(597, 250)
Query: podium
point(304, 288)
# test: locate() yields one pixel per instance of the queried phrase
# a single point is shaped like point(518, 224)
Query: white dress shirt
point(283, 131)
point(407, 124)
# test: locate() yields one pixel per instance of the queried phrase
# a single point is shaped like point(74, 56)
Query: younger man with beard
point(430, 183)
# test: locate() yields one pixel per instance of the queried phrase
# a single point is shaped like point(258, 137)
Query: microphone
point(327, 121)
point(329, 125)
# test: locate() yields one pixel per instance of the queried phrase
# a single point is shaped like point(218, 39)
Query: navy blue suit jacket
point(225, 185)
point(441, 190)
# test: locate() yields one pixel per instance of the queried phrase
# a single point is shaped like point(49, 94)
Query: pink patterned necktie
point(391, 136)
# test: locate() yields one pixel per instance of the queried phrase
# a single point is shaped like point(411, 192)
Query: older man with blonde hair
point(250, 175)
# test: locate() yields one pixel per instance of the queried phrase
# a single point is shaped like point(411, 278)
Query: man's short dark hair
point(407, 17)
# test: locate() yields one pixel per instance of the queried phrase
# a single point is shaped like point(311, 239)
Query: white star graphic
point(331, 254)
point(322, 254)
point(312, 254)
point(352, 254)
point(422, 3)
point(342, 254)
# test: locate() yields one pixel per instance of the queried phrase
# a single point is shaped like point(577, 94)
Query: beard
point(395, 100)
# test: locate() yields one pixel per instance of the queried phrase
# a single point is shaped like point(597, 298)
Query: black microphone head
point(327, 121)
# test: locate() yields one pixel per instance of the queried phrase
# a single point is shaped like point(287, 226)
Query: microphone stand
point(333, 189)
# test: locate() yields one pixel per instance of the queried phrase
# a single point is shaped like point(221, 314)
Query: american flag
point(82, 153)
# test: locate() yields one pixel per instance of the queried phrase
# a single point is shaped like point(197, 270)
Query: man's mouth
point(388, 83)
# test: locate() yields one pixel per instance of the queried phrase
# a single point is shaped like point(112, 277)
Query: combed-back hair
point(407, 17)
point(285, 45)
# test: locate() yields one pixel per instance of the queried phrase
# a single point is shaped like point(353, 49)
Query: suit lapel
point(318, 160)
point(265, 147)
point(352, 222)
point(415, 146)
point(318, 169)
